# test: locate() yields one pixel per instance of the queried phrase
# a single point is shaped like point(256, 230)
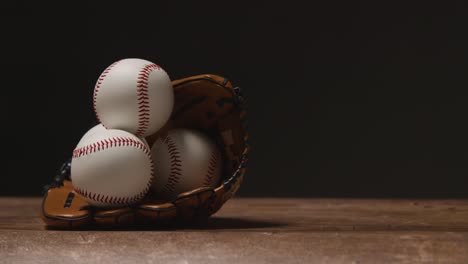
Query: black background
point(346, 99)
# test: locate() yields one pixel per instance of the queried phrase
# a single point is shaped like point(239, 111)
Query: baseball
point(111, 168)
point(184, 160)
point(134, 95)
point(95, 129)
point(99, 128)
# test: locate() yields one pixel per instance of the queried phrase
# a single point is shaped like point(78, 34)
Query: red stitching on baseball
point(175, 166)
point(214, 159)
point(143, 97)
point(109, 143)
point(109, 199)
point(98, 86)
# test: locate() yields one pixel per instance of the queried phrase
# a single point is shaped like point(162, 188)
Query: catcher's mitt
point(205, 102)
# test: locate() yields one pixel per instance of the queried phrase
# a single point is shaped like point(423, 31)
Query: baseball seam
point(99, 82)
point(175, 166)
point(110, 143)
point(214, 159)
point(143, 98)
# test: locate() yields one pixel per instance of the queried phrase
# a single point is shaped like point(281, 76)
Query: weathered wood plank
point(265, 230)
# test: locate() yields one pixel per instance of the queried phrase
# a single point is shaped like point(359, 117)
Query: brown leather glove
point(205, 102)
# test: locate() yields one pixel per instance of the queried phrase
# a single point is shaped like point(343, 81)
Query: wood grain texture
point(268, 230)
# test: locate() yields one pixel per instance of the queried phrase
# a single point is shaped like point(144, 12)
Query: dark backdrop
point(346, 99)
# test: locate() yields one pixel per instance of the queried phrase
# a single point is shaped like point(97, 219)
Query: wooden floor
point(256, 231)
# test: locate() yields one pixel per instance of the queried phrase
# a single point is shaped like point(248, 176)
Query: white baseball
point(134, 95)
point(95, 129)
point(98, 128)
point(111, 168)
point(185, 160)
